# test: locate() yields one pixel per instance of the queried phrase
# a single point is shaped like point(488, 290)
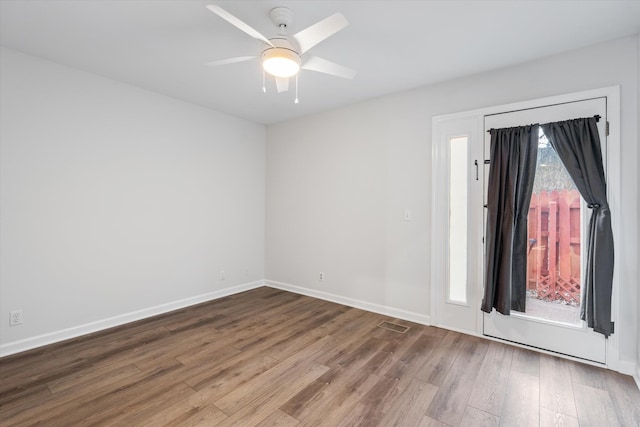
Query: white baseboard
point(363, 305)
point(76, 331)
point(636, 375)
point(627, 367)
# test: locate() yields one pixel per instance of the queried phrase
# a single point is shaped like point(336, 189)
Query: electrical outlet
point(222, 275)
point(321, 276)
point(15, 318)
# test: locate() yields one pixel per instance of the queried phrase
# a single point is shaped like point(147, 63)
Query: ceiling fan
point(283, 56)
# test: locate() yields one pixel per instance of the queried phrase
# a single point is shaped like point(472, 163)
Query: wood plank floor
point(273, 358)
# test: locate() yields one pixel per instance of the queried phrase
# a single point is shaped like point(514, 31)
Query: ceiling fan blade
point(320, 65)
point(241, 25)
point(320, 31)
point(282, 84)
point(230, 60)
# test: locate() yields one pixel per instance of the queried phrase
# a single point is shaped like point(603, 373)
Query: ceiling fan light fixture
point(281, 62)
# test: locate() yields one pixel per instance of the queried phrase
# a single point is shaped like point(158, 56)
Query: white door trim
point(439, 215)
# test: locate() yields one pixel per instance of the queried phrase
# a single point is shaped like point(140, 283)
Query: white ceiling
point(395, 45)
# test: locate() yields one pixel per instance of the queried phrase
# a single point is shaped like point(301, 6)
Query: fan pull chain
point(296, 100)
point(264, 87)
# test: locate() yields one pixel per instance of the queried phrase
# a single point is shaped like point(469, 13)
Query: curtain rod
point(597, 117)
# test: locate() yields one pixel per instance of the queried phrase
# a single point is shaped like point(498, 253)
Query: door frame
point(439, 199)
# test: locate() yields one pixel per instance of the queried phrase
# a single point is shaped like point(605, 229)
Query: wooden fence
point(553, 268)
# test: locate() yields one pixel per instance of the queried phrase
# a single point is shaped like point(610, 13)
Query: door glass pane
point(458, 179)
point(555, 236)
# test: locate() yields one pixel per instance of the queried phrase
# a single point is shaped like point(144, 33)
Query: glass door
point(556, 232)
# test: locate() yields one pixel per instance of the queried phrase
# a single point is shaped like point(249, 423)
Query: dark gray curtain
point(578, 146)
point(513, 163)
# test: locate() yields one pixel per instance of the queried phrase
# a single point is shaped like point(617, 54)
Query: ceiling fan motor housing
point(283, 48)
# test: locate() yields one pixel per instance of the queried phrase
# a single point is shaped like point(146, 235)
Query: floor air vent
point(393, 327)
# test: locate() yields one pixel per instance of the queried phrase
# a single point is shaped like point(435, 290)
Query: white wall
point(337, 187)
point(118, 203)
point(338, 183)
point(637, 375)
